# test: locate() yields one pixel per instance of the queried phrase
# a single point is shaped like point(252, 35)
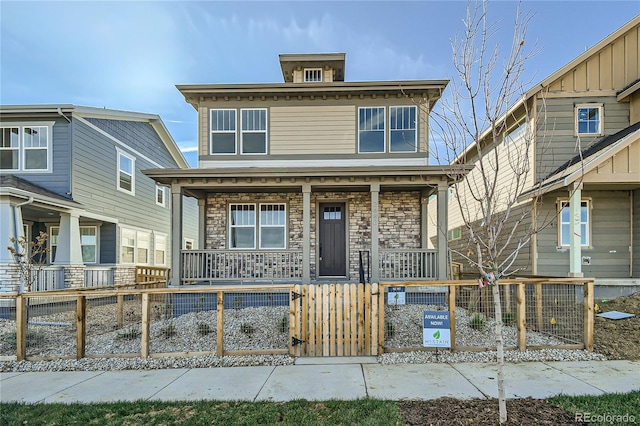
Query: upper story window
point(371, 129)
point(589, 119)
point(223, 131)
point(160, 196)
point(126, 173)
point(254, 131)
point(564, 223)
point(26, 148)
point(312, 75)
point(402, 129)
point(515, 133)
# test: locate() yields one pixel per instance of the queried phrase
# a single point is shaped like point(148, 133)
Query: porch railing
point(420, 264)
point(49, 278)
point(233, 265)
point(95, 276)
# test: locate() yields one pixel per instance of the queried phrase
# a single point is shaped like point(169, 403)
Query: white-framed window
point(126, 173)
point(515, 133)
point(143, 247)
point(160, 255)
point(403, 135)
point(312, 75)
point(564, 223)
point(26, 148)
point(223, 131)
point(161, 196)
point(253, 134)
point(268, 227)
point(135, 246)
point(88, 243)
point(454, 234)
point(589, 119)
point(371, 129)
point(242, 226)
point(273, 226)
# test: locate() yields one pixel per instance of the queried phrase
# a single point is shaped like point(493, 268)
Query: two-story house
point(314, 178)
point(584, 124)
point(75, 173)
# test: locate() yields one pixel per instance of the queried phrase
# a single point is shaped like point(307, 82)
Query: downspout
point(70, 149)
point(630, 234)
point(62, 114)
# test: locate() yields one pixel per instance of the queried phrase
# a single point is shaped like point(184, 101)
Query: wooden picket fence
point(335, 320)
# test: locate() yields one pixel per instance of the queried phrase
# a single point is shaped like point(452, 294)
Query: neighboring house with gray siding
point(75, 173)
point(586, 163)
point(313, 179)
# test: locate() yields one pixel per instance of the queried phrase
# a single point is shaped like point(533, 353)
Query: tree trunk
point(502, 401)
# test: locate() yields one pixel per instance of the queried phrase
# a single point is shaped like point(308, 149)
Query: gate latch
point(295, 295)
point(295, 341)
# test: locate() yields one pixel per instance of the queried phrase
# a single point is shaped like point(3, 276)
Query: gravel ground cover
point(245, 329)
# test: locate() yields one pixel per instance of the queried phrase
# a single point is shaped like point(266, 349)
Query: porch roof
point(584, 166)
point(296, 176)
point(16, 186)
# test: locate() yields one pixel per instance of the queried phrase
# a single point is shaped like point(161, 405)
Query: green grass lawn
point(300, 412)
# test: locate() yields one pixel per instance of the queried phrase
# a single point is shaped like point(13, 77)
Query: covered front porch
point(300, 225)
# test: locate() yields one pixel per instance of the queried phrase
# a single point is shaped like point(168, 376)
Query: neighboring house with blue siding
point(75, 173)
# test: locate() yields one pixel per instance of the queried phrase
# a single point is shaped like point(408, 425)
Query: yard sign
point(396, 296)
point(437, 329)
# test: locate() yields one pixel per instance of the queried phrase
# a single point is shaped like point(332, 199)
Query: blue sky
point(130, 55)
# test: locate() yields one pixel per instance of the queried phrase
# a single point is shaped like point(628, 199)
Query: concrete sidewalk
point(323, 379)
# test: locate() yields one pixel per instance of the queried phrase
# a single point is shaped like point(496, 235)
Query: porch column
point(202, 224)
point(575, 237)
point(10, 227)
point(424, 219)
point(442, 230)
point(69, 248)
point(306, 233)
point(375, 237)
point(176, 234)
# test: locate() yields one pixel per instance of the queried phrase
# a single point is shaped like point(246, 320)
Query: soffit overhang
point(419, 89)
point(273, 179)
point(292, 61)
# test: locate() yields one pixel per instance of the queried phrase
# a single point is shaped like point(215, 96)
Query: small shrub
point(237, 302)
point(33, 338)
point(203, 328)
point(389, 329)
point(128, 334)
point(283, 326)
point(508, 318)
point(478, 321)
point(169, 331)
point(247, 328)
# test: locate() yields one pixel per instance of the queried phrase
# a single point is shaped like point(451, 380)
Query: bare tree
point(30, 257)
point(486, 121)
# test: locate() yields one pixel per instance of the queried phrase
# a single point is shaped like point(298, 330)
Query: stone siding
point(73, 276)
point(124, 274)
point(9, 278)
point(399, 224)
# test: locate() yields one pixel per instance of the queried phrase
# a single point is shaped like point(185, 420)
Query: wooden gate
point(334, 320)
